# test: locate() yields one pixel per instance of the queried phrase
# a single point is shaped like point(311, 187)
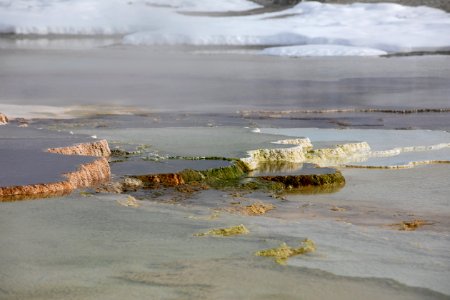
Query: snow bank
point(382, 27)
point(101, 17)
point(322, 50)
point(79, 17)
point(205, 5)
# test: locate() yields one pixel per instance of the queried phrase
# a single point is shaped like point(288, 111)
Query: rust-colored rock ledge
point(87, 174)
point(3, 119)
point(98, 148)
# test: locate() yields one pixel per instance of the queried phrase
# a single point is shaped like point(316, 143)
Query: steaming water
point(81, 247)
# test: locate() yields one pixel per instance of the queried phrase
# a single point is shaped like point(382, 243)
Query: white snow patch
point(384, 27)
point(205, 5)
point(322, 50)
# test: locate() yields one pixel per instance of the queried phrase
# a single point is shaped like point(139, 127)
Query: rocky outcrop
point(291, 154)
point(339, 154)
point(87, 175)
point(3, 119)
point(303, 152)
point(97, 148)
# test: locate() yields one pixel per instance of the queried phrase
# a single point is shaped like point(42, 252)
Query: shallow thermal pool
point(388, 148)
point(90, 247)
point(87, 246)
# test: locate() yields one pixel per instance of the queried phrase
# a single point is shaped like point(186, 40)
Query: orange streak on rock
point(162, 179)
point(3, 119)
point(88, 174)
point(98, 148)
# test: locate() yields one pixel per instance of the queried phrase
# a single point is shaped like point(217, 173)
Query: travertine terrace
point(87, 174)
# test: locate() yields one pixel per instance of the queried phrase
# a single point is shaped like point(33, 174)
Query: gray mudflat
point(23, 160)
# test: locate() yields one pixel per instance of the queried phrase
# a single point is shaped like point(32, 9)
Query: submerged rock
point(311, 180)
point(284, 251)
point(3, 119)
point(129, 202)
point(128, 184)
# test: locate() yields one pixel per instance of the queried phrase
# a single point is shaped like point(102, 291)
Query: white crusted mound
point(303, 152)
point(391, 149)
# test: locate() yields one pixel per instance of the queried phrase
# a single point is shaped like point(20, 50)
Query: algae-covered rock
point(217, 177)
point(284, 251)
point(299, 181)
point(234, 230)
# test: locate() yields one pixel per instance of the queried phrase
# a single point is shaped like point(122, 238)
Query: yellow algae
point(129, 202)
point(258, 208)
point(86, 194)
point(410, 225)
point(284, 251)
point(215, 215)
point(234, 230)
point(254, 209)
